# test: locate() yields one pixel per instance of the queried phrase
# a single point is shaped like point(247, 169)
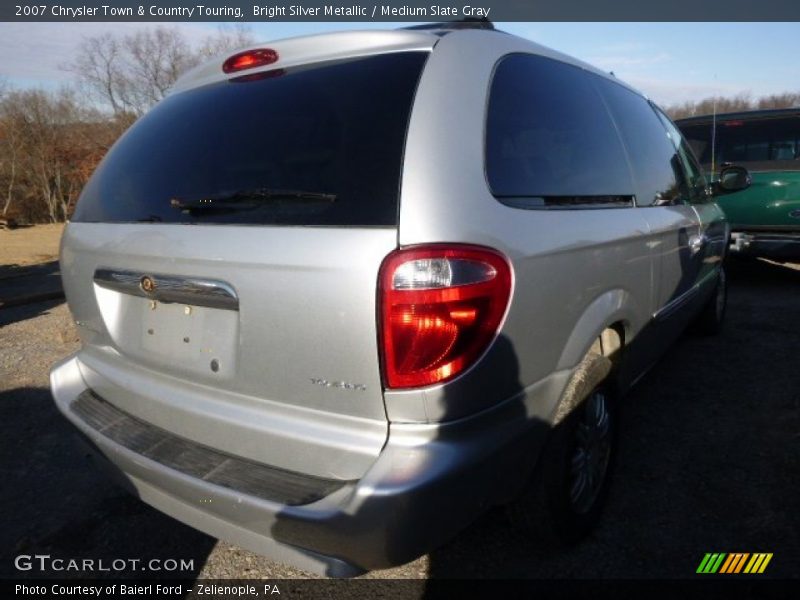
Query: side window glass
point(550, 138)
point(656, 166)
point(694, 180)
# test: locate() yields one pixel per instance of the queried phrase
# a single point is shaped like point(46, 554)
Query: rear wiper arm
point(244, 199)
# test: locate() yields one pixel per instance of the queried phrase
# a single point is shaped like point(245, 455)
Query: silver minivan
point(339, 294)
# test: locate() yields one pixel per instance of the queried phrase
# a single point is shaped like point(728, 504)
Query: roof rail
point(466, 23)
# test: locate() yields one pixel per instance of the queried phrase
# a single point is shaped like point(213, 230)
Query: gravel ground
point(710, 462)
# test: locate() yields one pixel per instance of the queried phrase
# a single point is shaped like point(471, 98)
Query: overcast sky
point(670, 62)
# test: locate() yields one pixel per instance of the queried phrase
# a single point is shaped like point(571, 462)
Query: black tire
point(712, 316)
point(547, 511)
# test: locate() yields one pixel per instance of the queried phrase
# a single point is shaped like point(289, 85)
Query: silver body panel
point(298, 378)
point(295, 302)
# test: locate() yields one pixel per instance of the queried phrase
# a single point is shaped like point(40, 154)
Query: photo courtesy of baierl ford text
point(399, 300)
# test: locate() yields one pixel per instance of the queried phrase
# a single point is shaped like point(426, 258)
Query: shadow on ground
point(28, 286)
point(56, 502)
point(709, 457)
point(23, 312)
point(13, 271)
point(709, 462)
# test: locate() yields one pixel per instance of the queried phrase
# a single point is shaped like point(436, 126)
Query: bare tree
point(51, 142)
point(99, 66)
point(154, 59)
point(10, 142)
point(228, 37)
point(785, 100)
point(47, 147)
point(133, 72)
point(38, 117)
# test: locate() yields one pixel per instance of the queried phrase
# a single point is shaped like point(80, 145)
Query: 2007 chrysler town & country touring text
point(339, 294)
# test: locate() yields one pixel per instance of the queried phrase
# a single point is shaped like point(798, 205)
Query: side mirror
point(732, 179)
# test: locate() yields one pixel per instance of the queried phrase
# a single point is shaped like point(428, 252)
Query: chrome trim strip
point(673, 305)
point(676, 303)
point(194, 291)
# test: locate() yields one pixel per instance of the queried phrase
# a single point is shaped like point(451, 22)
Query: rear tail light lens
point(250, 59)
point(440, 308)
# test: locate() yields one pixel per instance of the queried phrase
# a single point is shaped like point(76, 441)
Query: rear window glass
point(548, 133)
point(316, 145)
point(766, 143)
point(656, 165)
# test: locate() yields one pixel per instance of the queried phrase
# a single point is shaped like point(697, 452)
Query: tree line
point(739, 103)
point(51, 141)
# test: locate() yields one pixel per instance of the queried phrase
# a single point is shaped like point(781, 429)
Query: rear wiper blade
point(244, 199)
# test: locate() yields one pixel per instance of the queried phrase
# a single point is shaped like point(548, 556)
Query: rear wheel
point(712, 316)
point(564, 498)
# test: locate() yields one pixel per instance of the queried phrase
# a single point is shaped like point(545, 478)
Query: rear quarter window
point(336, 129)
point(549, 135)
point(656, 166)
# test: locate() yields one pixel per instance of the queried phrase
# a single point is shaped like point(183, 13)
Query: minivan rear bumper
point(428, 483)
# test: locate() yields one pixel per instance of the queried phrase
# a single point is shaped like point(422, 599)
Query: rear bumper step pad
point(197, 460)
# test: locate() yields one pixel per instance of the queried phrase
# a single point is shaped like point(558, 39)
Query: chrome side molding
point(673, 305)
point(194, 291)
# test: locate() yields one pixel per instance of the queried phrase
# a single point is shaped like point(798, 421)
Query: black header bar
point(403, 11)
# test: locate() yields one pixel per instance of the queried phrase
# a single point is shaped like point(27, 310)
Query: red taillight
point(249, 59)
point(440, 308)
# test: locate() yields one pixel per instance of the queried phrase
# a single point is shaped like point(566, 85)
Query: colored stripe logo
point(734, 562)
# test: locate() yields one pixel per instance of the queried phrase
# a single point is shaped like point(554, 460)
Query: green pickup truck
point(764, 218)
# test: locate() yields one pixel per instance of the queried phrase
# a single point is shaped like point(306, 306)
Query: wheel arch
point(605, 327)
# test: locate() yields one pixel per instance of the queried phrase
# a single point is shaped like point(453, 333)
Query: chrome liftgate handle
point(194, 291)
